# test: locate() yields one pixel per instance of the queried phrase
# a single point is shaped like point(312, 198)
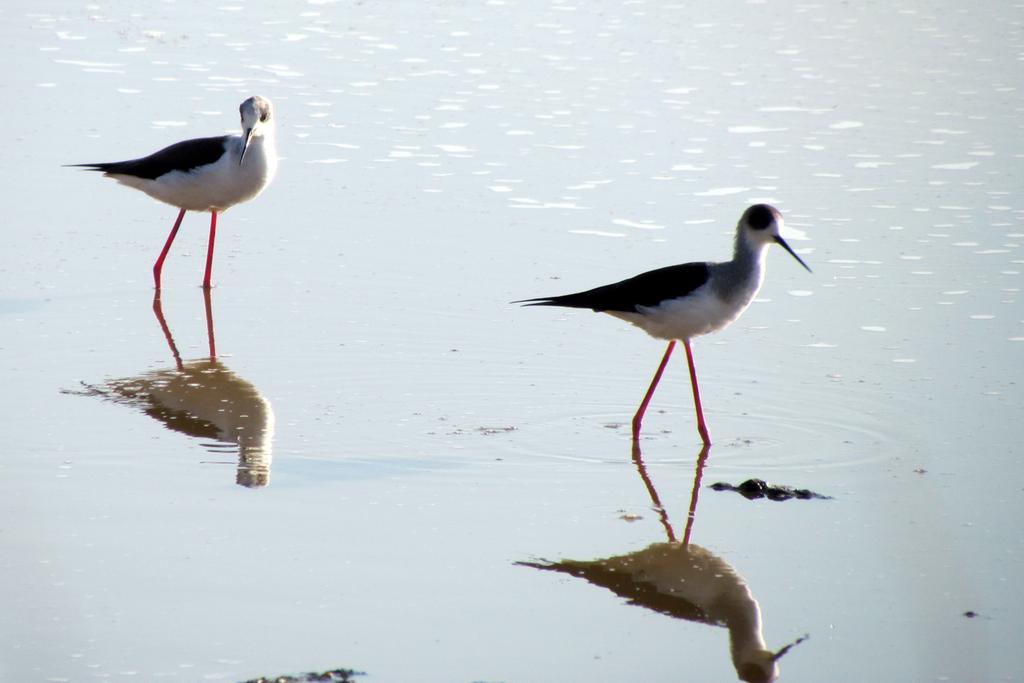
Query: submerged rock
point(753, 489)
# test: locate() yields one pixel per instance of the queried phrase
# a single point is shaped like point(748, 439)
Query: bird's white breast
point(217, 186)
point(700, 312)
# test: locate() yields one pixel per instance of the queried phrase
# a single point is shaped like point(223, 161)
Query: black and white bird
point(205, 174)
point(688, 300)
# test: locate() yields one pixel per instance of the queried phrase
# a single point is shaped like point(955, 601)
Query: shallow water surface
point(355, 453)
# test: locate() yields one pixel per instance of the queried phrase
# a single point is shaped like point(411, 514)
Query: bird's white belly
point(214, 187)
point(701, 312)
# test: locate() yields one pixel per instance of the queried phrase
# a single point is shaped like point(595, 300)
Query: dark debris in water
point(335, 676)
point(752, 489)
point(488, 431)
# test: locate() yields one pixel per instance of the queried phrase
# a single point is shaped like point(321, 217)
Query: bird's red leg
point(209, 324)
point(209, 249)
point(701, 426)
point(159, 265)
point(650, 391)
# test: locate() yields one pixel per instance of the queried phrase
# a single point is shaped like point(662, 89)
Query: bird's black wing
point(646, 289)
point(181, 156)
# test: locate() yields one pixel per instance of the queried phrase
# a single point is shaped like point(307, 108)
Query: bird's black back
point(181, 156)
point(647, 289)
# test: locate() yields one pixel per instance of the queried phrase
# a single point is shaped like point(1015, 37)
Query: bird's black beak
point(248, 137)
point(778, 655)
point(782, 243)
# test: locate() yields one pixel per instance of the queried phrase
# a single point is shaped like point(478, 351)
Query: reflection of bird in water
point(205, 174)
point(685, 581)
point(204, 399)
point(688, 300)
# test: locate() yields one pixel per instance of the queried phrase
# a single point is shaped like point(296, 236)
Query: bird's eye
point(264, 118)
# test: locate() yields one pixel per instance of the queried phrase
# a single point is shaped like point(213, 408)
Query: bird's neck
point(747, 254)
point(266, 137)
point(741, 277)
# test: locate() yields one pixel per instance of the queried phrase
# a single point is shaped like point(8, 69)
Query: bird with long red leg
point(205, 174)
point(685, 301)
